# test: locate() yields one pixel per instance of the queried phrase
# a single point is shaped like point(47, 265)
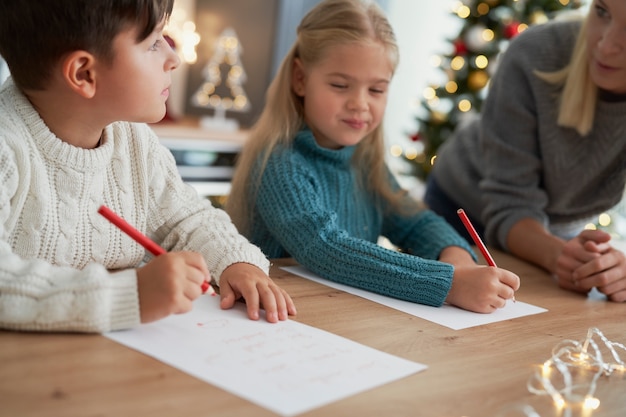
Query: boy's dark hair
point(35, 34)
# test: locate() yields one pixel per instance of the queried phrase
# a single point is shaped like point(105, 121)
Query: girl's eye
point(340, 86)
point(376, 91)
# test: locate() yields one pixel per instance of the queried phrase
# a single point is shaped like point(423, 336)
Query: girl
point(312, 183)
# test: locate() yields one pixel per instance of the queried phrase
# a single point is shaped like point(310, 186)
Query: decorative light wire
point(572, 360)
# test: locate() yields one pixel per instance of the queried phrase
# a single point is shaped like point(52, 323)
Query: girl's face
point(344, 94)
point(136, 86)
point(606, 42)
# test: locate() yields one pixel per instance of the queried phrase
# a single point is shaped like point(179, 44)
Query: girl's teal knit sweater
point(311, 207)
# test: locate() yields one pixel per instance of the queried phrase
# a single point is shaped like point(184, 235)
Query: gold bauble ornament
point(477, 80)
point(438, 117)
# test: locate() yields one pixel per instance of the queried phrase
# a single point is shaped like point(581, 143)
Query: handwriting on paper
point(287, 367)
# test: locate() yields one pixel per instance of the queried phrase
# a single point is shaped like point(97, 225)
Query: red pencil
point(477, 240)
point(142, 239)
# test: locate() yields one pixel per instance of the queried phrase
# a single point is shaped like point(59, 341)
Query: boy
point(86, 76)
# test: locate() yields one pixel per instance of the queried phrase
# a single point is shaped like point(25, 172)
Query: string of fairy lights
point(233, 97)
point(572, 374)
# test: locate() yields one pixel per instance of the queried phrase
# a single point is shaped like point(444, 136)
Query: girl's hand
point(247, 281)
point(482, 289)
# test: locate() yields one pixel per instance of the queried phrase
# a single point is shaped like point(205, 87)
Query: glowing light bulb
point(591, 403)
point(559, 402)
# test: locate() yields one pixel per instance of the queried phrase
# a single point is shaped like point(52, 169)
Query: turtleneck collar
point(611, 97)
point(306, 142)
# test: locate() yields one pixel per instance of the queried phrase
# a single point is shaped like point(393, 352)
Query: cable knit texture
point(524, 163)
point(310, 206)
point(63, 267)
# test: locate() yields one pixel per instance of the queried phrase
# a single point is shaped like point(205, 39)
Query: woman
point(546, 155)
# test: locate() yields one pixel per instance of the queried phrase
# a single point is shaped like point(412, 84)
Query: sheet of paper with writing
point(287, 367)
point(446, 315)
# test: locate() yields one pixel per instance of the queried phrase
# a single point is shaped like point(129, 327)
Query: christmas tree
point(224, 77)
point(488, 26)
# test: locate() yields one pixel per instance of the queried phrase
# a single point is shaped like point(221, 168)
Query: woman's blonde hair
point(330, 23)
point(577, 103)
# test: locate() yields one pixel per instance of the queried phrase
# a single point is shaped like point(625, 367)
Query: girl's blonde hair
point(330, 23)
point(577, 103)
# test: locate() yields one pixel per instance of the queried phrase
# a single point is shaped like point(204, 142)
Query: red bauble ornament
point(415, 137)
point(460, 48)
point(511, 30)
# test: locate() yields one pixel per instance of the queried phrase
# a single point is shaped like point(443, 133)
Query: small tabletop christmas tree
point(224, 77)
point(487, 29)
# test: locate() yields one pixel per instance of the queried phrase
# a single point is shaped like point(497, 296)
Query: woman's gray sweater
point(515, 162)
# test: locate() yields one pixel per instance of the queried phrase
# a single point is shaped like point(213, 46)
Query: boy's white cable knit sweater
point(63, 267)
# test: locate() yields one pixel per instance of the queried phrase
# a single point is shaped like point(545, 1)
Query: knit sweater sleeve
point(291, 206)
point(423, 234)
point(36, 295)
point(182, 221)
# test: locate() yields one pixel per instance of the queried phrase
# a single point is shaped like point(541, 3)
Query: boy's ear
point(79, 73)
point(298, 77)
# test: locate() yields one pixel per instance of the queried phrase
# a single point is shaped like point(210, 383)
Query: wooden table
point(476, 372)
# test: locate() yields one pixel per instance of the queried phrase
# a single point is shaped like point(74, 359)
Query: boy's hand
point(169, 283)
point(258, 289)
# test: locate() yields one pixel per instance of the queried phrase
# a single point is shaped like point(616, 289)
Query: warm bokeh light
point(481, 61)
point(457, 63)
point(463, 11)
point(604, 220)
point(465, 105)
point(429, 93)
point(395, 151)
point(451, 87)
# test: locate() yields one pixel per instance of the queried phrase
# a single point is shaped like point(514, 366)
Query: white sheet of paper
point(446, 315)
point(286, 367)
